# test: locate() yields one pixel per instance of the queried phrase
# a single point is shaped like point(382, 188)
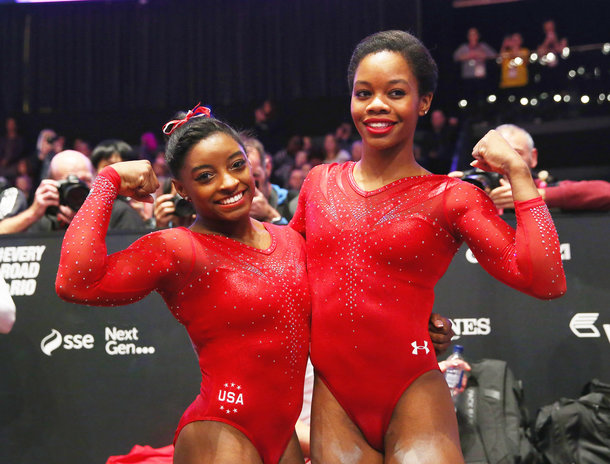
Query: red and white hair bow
point(197, 112)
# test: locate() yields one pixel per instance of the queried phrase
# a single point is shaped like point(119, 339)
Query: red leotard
point(373, 259)
point(246, 311)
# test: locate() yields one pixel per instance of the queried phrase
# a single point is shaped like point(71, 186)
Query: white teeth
point(379, 125)
point(233, 199)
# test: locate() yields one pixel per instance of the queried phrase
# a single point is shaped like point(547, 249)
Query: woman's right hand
point(138, 180)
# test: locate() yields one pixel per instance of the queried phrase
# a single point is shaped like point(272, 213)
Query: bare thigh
point(293, 453)
point(423, 428)
point(215, 442)
point(204, 442)
point(335, 439)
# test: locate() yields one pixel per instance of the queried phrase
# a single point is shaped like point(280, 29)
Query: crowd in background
point(30, 177)
point(285, 158)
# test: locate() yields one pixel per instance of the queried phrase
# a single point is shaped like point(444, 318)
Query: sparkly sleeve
point(88, 275)
point(527, 258)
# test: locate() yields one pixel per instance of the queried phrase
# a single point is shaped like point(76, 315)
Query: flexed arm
point(86, 274)
point(527, 259)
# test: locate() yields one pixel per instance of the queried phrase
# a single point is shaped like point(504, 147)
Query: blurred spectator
point(11, 150)
point(551, 43)
point(332, 152)
point(300, 159)
point(593, 195)
point(438, 144)
point(83, 146)
point(148, 147)
point(267, 125)
point(44, 153)
point(306, 168)
point(316, 152)
point(160, 167)
point(112, 151)
point(549, 51)
point(70, 176)
point(23, 181)
point(357, 150)
point(307, 144)
point(270, 203)
point(343, 136)
point(59, 143)
point(12, 200)
point(473, 56)
point(296, 179)
point(170, 209)
point(514, 62)
point(284, 160)
point(566, 195)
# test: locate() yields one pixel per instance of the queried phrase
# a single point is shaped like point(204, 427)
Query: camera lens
point(483, 179)
point(182, 207)
point(75, 196)
point(72, 192)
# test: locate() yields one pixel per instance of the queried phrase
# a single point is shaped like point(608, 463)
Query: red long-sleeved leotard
point(246, 311)
point(373, 259)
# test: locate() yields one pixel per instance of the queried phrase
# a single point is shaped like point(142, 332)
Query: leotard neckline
point(367, 193)
point(237, 243)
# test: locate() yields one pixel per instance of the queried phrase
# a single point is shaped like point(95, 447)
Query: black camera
point(72, 193)
point(182, 207)
point(485, 180)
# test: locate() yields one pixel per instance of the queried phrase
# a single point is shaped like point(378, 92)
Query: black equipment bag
point(492, 420)
point(576, 431)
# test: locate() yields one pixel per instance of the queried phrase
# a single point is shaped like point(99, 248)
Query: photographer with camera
point(47, 197)
point(171, 210)
point(591, 195)
point(57, 199)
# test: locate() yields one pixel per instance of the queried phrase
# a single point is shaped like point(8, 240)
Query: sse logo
point(55, 340)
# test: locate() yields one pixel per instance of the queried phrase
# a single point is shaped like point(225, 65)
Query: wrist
point(542, 192)
point(110, 173)
point(33, 213)
point(517, 169)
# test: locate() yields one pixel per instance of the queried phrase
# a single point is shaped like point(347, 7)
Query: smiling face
point(385, 101)
point(217, 178)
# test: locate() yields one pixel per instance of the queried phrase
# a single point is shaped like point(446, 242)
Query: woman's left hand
point(493, 153)
point(138, 180)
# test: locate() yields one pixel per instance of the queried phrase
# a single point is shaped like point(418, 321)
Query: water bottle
point(454, 375)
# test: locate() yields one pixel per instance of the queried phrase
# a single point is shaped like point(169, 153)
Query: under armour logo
point(417, 347)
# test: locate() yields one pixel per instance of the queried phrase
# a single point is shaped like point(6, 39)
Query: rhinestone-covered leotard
point(373, 259)
point(246, 311)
